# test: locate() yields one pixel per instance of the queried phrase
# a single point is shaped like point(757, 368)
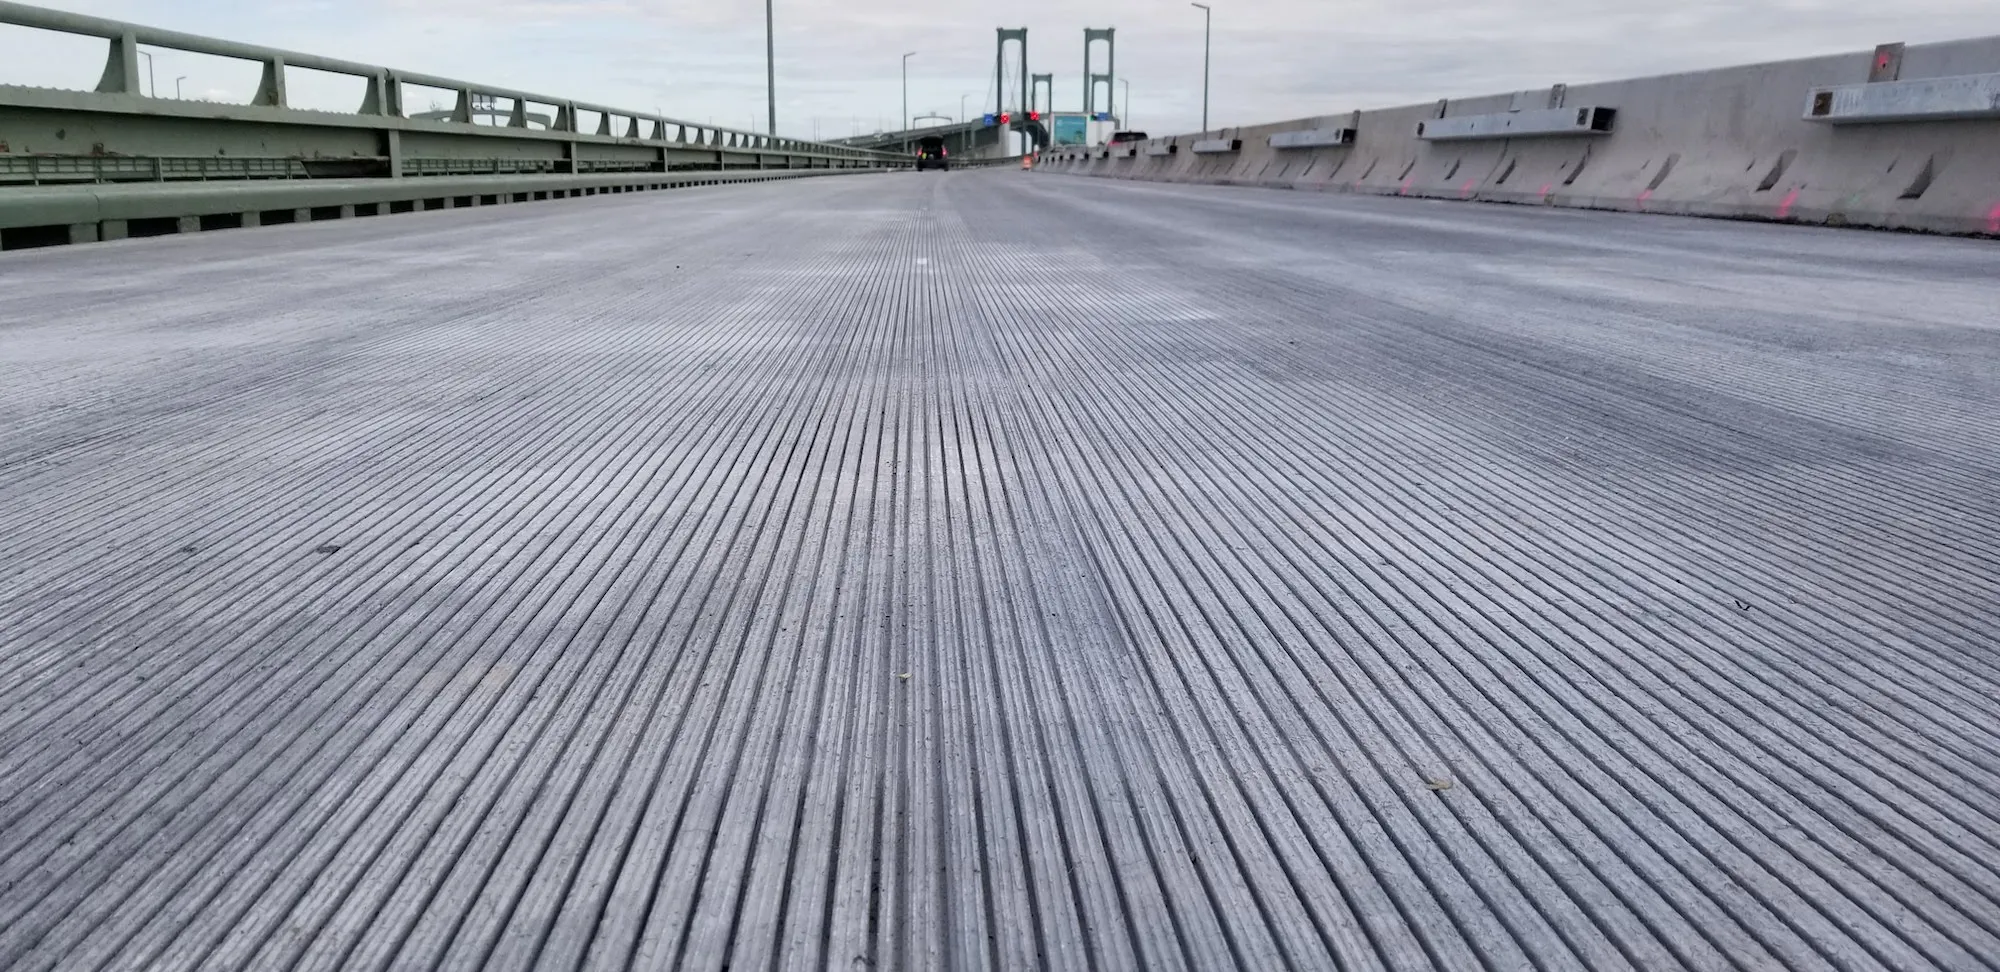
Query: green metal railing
point(118, 134)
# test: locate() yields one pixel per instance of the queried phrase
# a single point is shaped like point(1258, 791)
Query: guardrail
point(166, 155)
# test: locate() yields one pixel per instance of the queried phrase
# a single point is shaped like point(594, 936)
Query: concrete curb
point(90, 212)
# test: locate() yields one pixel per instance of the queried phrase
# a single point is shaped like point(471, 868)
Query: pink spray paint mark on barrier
point(1465, 191)
point(1648, 194)
point(1406, 186)
point(1547, 187)
point(1785, 208)
point(1993, 220)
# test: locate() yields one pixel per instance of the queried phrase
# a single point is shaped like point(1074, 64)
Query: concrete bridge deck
point(1001, 570)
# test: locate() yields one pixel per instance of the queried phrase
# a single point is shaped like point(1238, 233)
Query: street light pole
point(770, 69)
point(177, 86)
point(1207, 21)
point(961, 107)
point(150, 83)
point(906, 89)
point(1125, 120)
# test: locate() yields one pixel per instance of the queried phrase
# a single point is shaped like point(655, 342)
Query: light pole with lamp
point(906, 89)
point(150, 83)
point(177, 86)
point(961, 106)
point(1207, 20)
point(1125, 120)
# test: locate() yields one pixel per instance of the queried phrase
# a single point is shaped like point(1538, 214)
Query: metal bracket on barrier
point(1925, 99)
point(1162, 148)
point(1535, 99)
point(1887, 65)
point(1217, 146)
point(1314, 138)
point(1587, 120)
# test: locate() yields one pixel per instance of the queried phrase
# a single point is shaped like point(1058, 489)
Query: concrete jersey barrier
point(1772, 141)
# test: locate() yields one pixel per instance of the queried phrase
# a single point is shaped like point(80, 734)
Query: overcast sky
point(838, 62)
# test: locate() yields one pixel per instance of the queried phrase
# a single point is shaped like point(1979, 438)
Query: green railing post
point(271, 89)
point(121, 67)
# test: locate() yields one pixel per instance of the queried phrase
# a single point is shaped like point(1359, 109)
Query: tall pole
point(1111, 70)
point(1027, 82)
point(177, 86)
point(153, 87)
point(1125, 120)
point(906, 89)
point(961, 107)
point(1207, 20)
point(770, 69)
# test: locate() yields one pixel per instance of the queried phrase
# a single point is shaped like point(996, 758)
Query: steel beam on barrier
point(1588, 120)
point(1314, 138)
point(1926, 99)
point(1217, 146)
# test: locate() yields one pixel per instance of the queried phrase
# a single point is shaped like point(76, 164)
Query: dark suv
point(931, 153)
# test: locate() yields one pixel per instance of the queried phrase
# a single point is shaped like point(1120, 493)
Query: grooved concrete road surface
point(1001, 570)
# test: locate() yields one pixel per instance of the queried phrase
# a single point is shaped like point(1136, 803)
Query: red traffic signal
point(1034, 116)
point(1006, 117)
